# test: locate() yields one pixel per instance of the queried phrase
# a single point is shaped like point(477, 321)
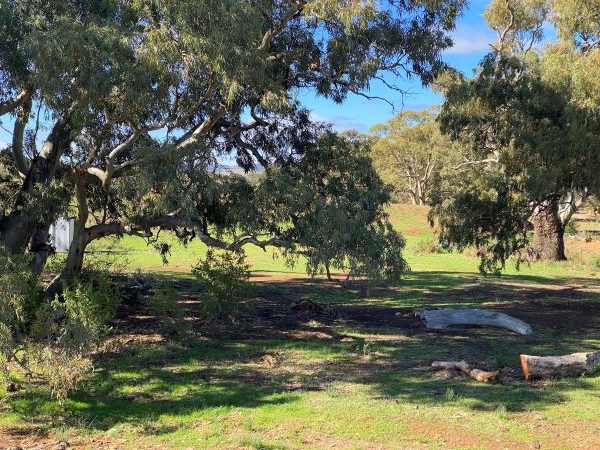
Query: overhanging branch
point(173, 223)
point(12, 104)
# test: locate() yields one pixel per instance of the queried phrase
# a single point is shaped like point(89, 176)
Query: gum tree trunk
point(82, 237)
point(74, 262)
point(548, 233)
point(22, 226)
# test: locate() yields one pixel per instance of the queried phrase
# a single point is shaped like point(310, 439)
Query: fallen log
point(463, 366)
point(441, 319)
point(575, 364)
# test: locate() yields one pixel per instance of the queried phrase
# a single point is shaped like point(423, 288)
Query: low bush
point(571, 228)
point(163, 303)
point(50, 339)
point(426, 246)
point(225, 276)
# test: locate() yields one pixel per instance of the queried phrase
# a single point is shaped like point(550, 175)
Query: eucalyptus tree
point(409, 151)
point(143, 99)
point(336, 216)
point(530, 119)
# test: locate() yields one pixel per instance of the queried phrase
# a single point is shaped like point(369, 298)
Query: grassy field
point(355, 376)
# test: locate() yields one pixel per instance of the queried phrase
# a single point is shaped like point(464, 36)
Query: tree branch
point(295, 8)
point(17, 140)
point(569, 205)
point(194, 135)
point(511, 23)
point(12, 104)
point(82, 203)
point(480, 161)
point(173, 223)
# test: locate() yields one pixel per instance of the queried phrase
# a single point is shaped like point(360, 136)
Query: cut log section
point(559, 366)
point(441, 319)
point(463, 366)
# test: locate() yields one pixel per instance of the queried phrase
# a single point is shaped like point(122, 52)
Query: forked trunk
point(80, 240)
point(548, 233)
point(22, 226)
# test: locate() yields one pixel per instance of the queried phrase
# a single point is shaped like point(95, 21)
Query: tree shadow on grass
point(436, 289)
point(411, 379)
point(390, 359)
point(215, 376)
point(153, 381)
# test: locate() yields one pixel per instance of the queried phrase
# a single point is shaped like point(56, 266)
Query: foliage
point(62, 370)
point(224, 276)
point(145, 101)
point(529, 121)
point(409, 152)
point(571, 227)
point(51, 338)
point(331, 205)
point(78, 318)
point(20, 293)
point(429, 245)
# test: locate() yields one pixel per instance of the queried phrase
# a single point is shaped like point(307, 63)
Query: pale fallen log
point(559, 366)
point(463, 366)
point(441, 319)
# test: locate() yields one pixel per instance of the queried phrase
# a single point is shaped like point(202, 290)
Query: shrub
point(20, 298)
point(225, 276)
point(49, 338)
point(163, 303)
point(571, 228)
point(78, 319)
point(429, 245)
point(595, 262)
point(20, 292)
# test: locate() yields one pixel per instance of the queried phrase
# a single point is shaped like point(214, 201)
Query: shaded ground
point(572, 306)
point(353, 373)
point(359, 352)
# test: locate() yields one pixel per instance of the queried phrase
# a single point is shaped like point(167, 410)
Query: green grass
point(411, 221)
point(213, 390)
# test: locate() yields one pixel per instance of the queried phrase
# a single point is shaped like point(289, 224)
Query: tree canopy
point(530, 121)
point(410, 152)
point(145, 99)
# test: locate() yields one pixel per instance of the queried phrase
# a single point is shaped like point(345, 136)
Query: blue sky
point(471, 42)
point(471, 38)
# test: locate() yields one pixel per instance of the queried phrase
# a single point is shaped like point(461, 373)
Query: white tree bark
point(441, 319)
point(569, 204)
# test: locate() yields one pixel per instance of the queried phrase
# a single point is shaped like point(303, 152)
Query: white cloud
point(341, 122)
point(469, 40)
point(3, 145)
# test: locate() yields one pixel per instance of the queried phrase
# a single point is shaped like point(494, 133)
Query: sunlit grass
point(373, 391)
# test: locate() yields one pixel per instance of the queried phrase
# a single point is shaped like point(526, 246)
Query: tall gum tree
point(530, 121)
point(139, 90)
point(409, 151)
